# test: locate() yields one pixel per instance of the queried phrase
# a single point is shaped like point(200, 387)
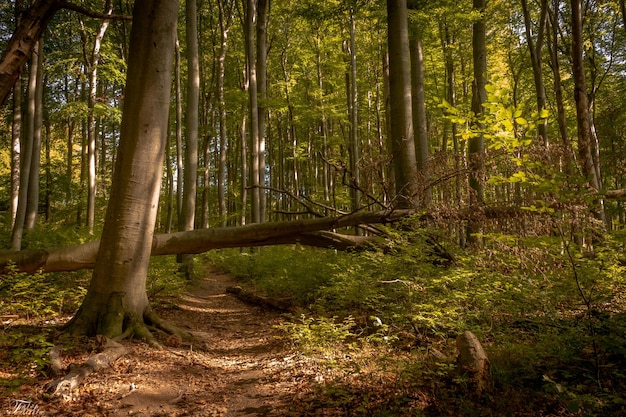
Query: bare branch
point(90, 13)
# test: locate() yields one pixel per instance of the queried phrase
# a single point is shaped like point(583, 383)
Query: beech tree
point(401, 133)
point(116, 302)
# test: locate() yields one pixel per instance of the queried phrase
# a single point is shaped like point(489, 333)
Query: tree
point(476, 144)
point(583, 119)
point(190, 181)
point(116, 303)
point(419, 116)
point(16, 130)
point(225, 9)
point(29, 30)
point(401, 114)
point(312, 232)
point(28, 187)
point(535, 49)
point(92, 73)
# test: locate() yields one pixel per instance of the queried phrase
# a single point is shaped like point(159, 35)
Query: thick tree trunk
point(116, 301)
point(476, 144)
point(400, 111)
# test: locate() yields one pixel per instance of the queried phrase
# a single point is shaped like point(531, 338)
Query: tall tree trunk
point(419, 118)
point(261, 70)
point(553, 42)
point(92, 69)
point(355, 192)
point(244, 171)
point(26, 155)
point(535, 50)
point(253, 112)
point(190, 181)
point(179, 136)
point(32, 201)
point(225, 19)
point(401, 113)
point(16, 131)
point(476, 144)
point(116, 300)
point(585, 145)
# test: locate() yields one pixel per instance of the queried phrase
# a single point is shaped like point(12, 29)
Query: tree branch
point(90, 13)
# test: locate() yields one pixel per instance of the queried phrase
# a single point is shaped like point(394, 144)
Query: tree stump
point(472, 360)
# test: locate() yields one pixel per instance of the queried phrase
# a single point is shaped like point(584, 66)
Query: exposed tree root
point(56, 363)
point(151, 317)
point(77, 374)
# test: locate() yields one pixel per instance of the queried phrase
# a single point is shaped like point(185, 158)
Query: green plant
point(40, 295)
point(319, 335)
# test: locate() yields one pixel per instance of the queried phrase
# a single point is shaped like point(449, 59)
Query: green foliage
point(39, 295)
point(519, 295)
point(319, 335)
point(164, 277)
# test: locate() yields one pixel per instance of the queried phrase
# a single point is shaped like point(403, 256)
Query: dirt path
point(239, 368)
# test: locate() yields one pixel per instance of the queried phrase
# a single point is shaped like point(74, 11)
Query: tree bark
point(535, 49)
point(355, 192)
point(585, 136)
point(190, 180)
point(476, 144)
point(419, 118)
point(26, 157)
point(225, 19)
point(116, 302)
point(92, 69)
point(32, 202)
point(16, 133)
point(401, 133)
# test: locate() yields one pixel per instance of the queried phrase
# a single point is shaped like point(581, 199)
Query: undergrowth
point(553, 327)
point(34, 307)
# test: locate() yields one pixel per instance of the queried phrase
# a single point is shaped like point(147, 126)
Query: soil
point(238, 366)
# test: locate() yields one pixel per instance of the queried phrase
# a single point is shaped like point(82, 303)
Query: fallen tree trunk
point(265, 302)
point(313, 232)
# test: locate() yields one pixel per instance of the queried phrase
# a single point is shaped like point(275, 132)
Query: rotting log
point(257, 300)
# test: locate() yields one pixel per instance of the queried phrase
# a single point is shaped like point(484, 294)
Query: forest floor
point(238, 367)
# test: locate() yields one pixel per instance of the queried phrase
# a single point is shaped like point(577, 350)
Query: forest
point(313, 207)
